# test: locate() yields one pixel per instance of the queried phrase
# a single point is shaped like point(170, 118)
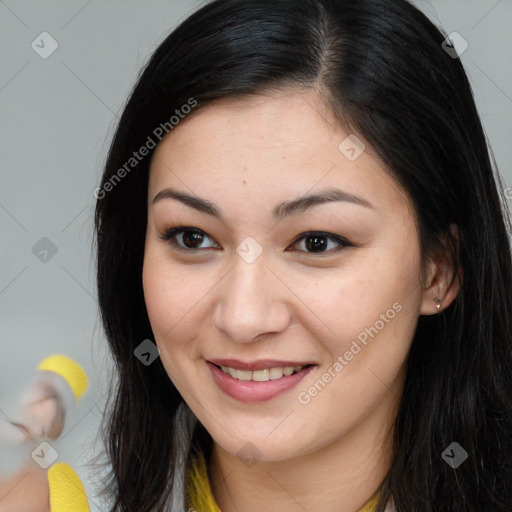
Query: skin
point(45, 415)
point(291, 303)
point(27, 490)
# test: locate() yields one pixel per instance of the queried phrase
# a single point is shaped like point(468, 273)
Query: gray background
point(57, 119)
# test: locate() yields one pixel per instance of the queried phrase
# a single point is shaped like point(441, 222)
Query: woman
point(298, 208)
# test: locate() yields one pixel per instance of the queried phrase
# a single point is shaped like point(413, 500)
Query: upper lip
point(261, 364)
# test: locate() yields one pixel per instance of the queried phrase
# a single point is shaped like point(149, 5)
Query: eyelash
point(169, 234)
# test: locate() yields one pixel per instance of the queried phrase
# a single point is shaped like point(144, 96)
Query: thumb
point(67, 493)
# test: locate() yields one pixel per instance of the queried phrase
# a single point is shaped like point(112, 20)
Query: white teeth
point(243, 375)
point(261, 375)
point(276, 373)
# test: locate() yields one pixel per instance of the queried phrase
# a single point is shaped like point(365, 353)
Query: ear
point(441, 280)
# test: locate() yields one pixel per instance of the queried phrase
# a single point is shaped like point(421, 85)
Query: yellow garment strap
point(199, 493)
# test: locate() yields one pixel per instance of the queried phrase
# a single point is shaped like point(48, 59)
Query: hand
point(25, 491)
point(33, 489)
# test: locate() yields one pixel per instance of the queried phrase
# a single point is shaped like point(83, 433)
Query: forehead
point(281, 117)
point(287, 142)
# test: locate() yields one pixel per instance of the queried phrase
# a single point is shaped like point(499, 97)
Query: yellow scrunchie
point(68, 369)
point(199, 493)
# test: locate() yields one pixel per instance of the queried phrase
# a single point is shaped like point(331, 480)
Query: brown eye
point(185, 238)
point(318, 242)
point(191, 238)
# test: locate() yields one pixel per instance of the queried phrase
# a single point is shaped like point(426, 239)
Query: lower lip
point(251, 391)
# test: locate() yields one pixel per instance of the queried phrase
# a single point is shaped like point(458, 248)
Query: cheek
point(165, 306)
point(166, 293)
point(173, 301)
point(368, 311)
point(356, 301)
point(157, 299)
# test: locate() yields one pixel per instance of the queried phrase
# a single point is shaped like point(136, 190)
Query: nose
point(252, 302)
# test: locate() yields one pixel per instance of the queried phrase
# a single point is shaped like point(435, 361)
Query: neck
point(340, 477)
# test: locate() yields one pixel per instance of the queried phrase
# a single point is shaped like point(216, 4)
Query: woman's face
point(259, 289)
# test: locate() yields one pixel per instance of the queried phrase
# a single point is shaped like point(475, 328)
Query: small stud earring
point(438, 303)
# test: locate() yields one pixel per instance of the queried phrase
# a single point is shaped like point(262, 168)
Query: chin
point(258, 446)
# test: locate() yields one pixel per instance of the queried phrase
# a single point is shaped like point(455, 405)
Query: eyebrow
point(279, 212)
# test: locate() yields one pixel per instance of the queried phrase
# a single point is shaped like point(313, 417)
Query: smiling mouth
point(264, 375)
point(258, 381)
